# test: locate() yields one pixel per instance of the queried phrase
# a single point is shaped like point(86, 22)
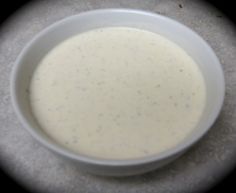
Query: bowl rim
point(100, 161)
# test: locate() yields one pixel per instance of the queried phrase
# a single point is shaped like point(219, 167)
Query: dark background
point(7, 184)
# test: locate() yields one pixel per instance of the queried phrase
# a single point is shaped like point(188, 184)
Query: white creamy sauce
point(117, 93)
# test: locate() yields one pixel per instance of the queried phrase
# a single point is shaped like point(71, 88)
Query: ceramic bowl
point(192, 43)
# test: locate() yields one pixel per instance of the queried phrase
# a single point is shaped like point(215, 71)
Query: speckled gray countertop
point(40, 170)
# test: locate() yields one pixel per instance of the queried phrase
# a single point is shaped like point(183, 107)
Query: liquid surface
point(117, 93)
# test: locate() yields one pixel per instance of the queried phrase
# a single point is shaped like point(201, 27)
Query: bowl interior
point(184, 37)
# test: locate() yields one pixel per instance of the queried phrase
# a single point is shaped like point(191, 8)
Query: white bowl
point(194, 45)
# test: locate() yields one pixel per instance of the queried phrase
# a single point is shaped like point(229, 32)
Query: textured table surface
point(37, 168)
